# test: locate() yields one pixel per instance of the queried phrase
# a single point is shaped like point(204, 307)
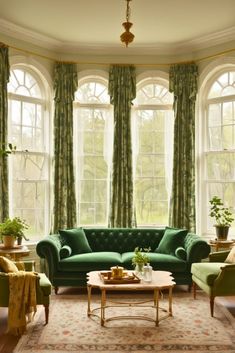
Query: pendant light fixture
point(127, 37)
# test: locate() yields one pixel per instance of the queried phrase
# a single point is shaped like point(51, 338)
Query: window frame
point(89, 76)
point(208, 76)
point(159, 78)
point(43, 80)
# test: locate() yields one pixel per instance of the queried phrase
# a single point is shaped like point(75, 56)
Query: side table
point(15, 253)
point(217, 245)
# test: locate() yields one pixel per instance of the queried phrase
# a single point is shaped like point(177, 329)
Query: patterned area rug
point(191, 329)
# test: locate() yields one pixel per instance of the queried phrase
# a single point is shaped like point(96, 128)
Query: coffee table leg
point(156, 304)
point(89, 300)
point(170, 301)
point(102, 308)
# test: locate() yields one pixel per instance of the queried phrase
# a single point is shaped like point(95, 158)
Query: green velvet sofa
point(102, 248)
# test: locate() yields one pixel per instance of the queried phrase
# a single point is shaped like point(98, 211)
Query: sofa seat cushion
point(207, 272)
point(102, 260)
point(158, 261)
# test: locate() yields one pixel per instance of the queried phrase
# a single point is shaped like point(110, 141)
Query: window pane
point(29, 166)
point(220, 159)
point(221, 166)
point(23, 83)
point(92, 92)
point(93, 167)
point(154, 94)
point(30, 205)
point(228, 134)
point(27, 132)
point(214, 118)
point(215, 140)
point(151, 196)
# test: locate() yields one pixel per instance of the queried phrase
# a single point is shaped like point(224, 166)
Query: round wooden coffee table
point(160, 280)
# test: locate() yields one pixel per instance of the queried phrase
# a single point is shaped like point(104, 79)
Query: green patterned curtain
point(183, 83)
point(65, 85)
point(122, 90)
point(4, 78)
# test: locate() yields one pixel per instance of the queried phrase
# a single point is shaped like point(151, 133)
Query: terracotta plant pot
point(8, 241)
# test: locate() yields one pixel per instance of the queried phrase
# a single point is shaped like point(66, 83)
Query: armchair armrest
point(218, 256)
point(224, 283)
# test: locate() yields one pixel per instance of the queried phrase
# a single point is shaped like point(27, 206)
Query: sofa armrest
point(196, 247)
point(49, 249)
point(218, 256)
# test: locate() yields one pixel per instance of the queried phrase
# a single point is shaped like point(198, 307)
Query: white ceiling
point(161, 25)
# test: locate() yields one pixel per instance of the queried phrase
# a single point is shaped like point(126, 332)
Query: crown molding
point(186, 47)
point(18, 32)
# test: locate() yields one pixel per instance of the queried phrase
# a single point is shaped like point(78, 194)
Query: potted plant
point(12, 229)
point(140, 259)
point(223, 217)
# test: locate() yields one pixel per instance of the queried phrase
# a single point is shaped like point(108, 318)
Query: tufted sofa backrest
point(123, 239)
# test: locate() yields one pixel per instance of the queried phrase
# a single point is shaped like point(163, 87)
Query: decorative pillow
point(7, 265)
point(65, 251)
point(181, 253)
point(231, 256)
point(172, 239)
point(76, 239)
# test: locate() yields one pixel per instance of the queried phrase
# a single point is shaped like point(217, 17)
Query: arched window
point(93, 141)
point(29, 132)
point(152, 150)
point(218, 157)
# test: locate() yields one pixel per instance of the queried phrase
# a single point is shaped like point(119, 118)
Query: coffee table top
point(160, 280)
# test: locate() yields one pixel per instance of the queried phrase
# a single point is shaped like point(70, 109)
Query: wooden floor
point(8, 342)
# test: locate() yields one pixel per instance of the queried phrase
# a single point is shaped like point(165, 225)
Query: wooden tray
point(126, 279)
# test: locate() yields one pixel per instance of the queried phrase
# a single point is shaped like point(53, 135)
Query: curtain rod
point(120, 64)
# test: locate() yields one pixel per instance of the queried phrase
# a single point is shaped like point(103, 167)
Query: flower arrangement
point(140, 257)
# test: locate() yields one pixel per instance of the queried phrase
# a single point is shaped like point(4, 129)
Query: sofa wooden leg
point(194, 290)
point(212, 299)
point(189, 288)
point(46, 313)
point(56, 290)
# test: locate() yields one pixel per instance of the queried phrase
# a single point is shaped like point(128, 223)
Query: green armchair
point(215, 277)
point(43, 289)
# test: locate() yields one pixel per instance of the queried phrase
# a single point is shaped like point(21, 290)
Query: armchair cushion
point(7, 265)
point(76, 239)
point(207, 272)
point(172, 239)
point(231, 256)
